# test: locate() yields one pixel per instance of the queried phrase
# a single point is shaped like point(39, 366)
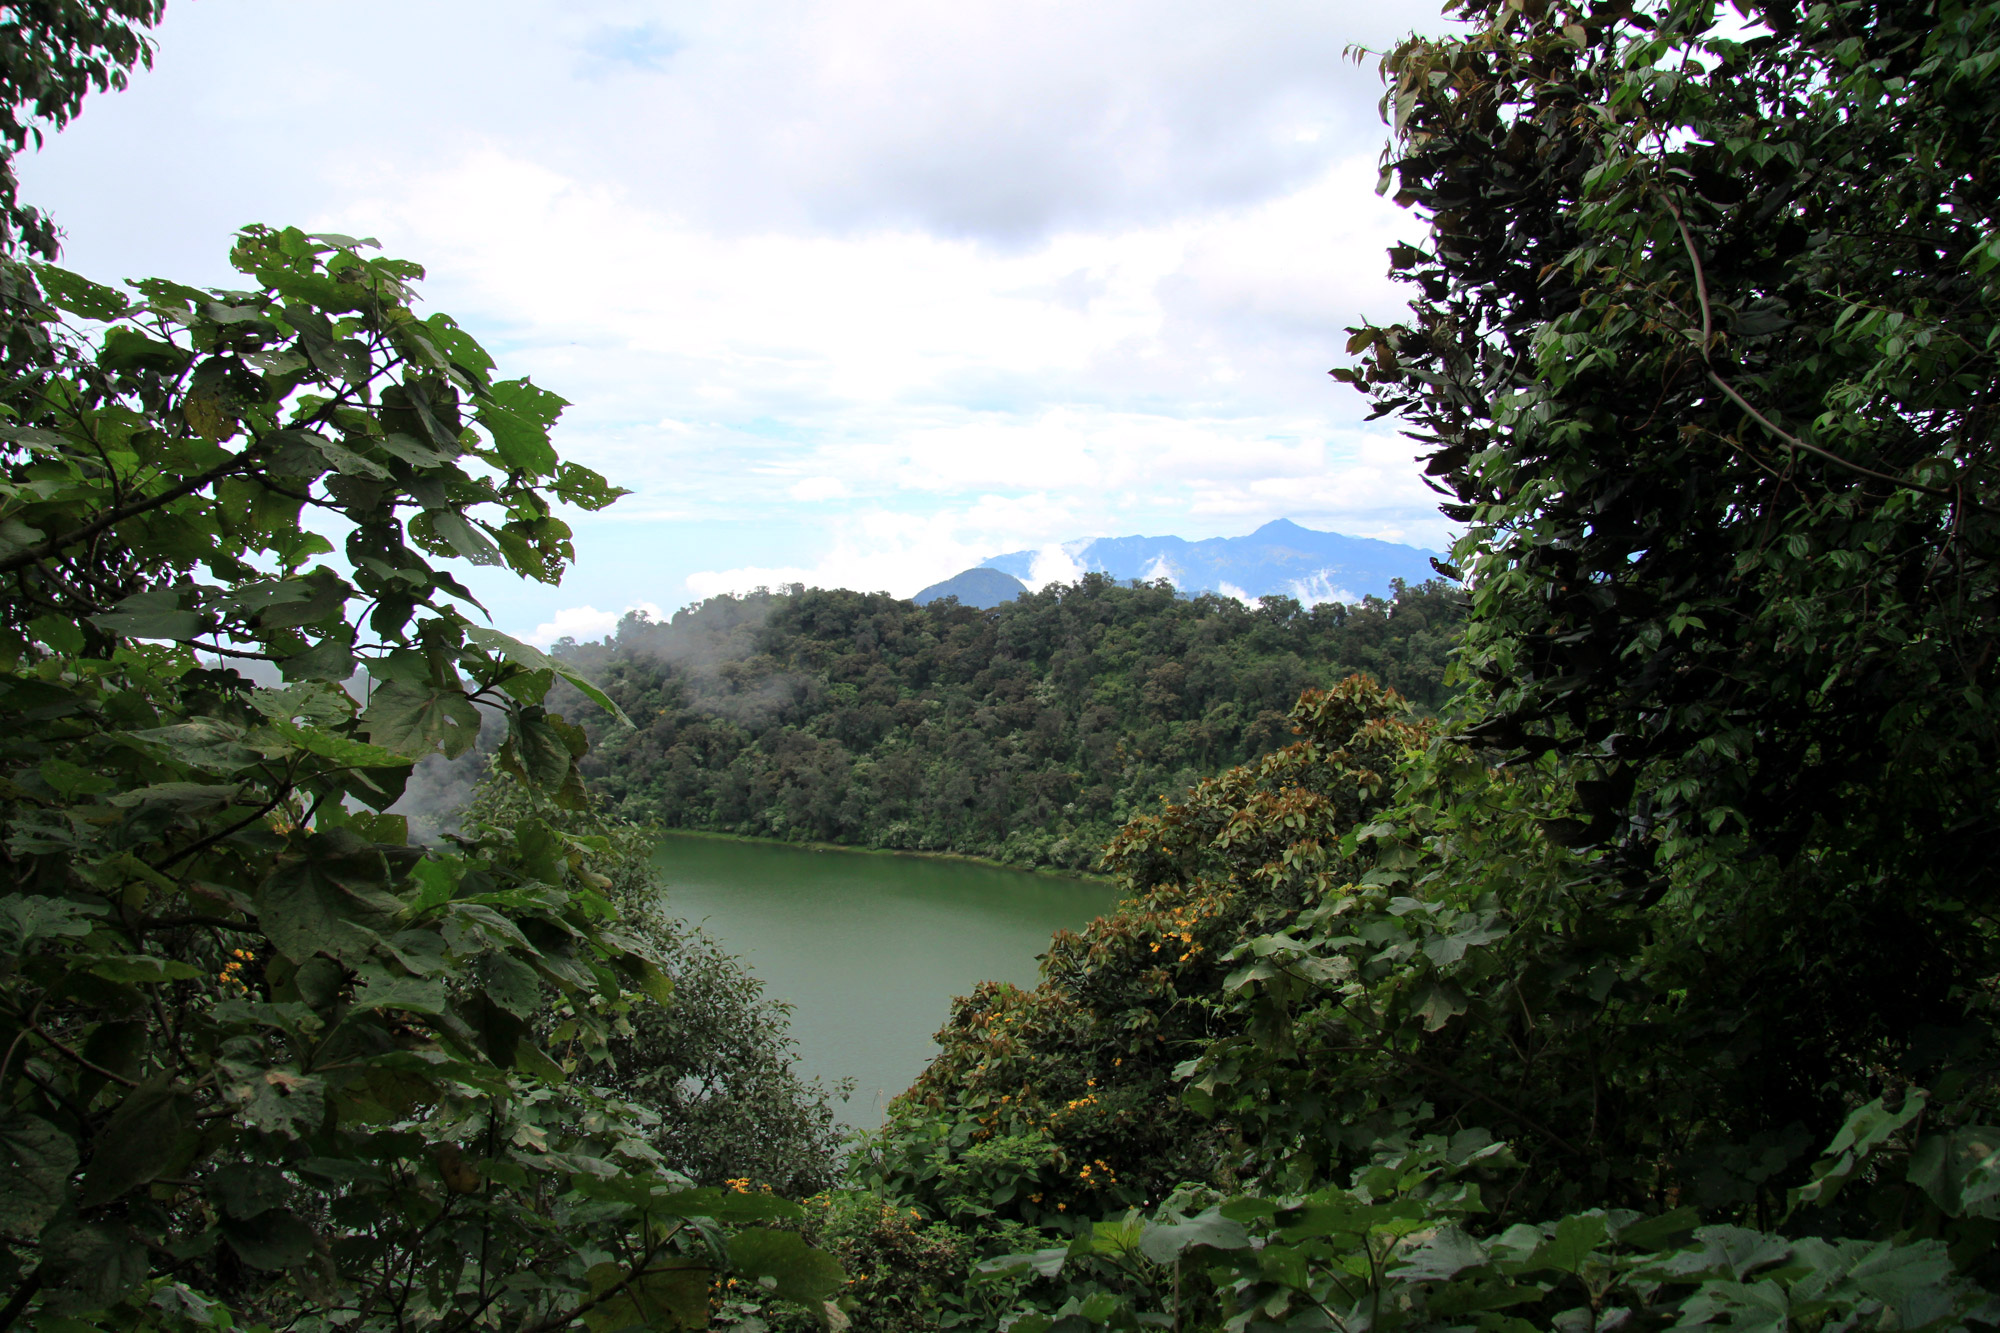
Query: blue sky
point(856, 292)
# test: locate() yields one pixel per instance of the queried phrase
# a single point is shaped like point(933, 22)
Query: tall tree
point(261, 1059)
point(1702, 346)
point(52, 54)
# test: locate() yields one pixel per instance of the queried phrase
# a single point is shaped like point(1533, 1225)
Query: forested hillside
point(1027, 733)
point(1649, 984)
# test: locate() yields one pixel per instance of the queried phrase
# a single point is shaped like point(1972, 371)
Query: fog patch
point(1314, 589)
point(1055, 564)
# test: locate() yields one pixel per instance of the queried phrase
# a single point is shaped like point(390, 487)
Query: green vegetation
point(1028, 733)
point(262, 1062)
point(712, 1067)
point(1648, 984)
point(1653, 988)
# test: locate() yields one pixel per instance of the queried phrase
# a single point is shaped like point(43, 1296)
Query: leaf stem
point(1707, 335)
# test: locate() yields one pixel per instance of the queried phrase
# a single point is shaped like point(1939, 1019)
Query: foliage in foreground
point(1393, 1250)
point(1691, 903)
point(1339, 1060)
point(713, 1066)
point(1065, 1101)
point(1029, 733)
point(261, 1060)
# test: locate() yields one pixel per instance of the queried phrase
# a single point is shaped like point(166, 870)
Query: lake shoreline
point(962, 858)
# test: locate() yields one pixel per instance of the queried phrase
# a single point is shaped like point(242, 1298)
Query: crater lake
point(869, 948)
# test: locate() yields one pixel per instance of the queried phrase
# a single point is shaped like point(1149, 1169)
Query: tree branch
point(19, 1300)
point(119, 513)
point(77, 1056)
point(1707, 335)
point(213, 838)
point(1798, 443)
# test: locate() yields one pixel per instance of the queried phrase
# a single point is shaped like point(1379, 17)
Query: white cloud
point(819, 488)
point(1055, 564)
point(1319, 588)
point(873, 551)
point(587, 622)
point(904, 285)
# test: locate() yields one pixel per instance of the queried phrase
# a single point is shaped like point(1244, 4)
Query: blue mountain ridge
point(980, 586)
point(1279, 558)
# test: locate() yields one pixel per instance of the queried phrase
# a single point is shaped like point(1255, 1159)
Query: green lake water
point(870, 949)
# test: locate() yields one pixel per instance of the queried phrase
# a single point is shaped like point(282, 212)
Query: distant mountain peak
point(1281, 558)
point(979, 586)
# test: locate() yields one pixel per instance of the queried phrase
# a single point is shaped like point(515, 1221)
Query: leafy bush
point(1392, 1251)
point(1049, 1105)
point(263, 1060)
point(712, 1065)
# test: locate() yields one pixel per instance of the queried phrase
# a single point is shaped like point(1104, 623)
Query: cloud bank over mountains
point(1280, 558)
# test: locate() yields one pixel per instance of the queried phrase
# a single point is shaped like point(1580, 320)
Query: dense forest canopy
point(1028, 733)
point(1648, 984)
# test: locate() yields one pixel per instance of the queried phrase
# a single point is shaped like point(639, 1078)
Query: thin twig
point(19, 1300)
point(110, 517)
point(1700, 278)
point(1798, 443)
point(213, 922)
point(220, 651)
point(1707, 334)
point(196, 847)
point(639, 1270)
point(91, 1065)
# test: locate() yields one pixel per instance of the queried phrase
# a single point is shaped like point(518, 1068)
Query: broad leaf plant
point(261, 1059)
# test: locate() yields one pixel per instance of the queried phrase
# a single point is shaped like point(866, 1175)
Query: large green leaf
point(150, 1133)
point(782, 1263)
point(409, 994)
point(518, 418)
point(204, 743)
point(1166, 1242)
point(328, 898)
point(247, 1189)
point(339, 749)
point(153, 614)
point(25, 918)
point(463, 537)
point(273, 1240)
point(416, 720)
point(36, 1160)
point(275, 1100)
point(79, 295)
point(88, 1267)
point(511, 984)
point(672, 1294)
point(527, 655)
point(540, 748)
